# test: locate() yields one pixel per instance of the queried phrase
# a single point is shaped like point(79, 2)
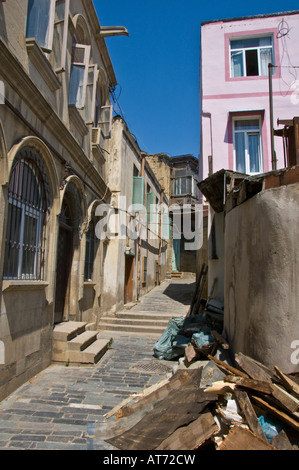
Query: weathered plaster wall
point(261, 276)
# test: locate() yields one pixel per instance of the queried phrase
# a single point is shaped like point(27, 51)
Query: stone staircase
point(136, 322)
point(74, 343)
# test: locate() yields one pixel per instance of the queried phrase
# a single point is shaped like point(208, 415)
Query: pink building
point(235, 91)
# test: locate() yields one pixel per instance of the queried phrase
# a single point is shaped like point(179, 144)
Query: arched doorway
point(69, 257)
point(64, 261)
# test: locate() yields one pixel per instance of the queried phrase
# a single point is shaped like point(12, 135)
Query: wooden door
point(64, 262)
point(129, 270)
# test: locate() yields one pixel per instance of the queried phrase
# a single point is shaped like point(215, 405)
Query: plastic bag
point(269, 426)
point(203, 337)
point(165, 347)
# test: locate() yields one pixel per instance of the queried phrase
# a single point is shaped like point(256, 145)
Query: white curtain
point(240, 152)
point(254, 152)
point(237, 64)
point(265, 59)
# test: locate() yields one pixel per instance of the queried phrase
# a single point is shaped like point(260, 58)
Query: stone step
point(76, 342)
point(68, 330)
point(82, 341)
point(144, 316)
point(91, 355)
point(134, 321)
point(150, 329)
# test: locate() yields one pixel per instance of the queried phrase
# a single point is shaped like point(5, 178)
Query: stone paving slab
point(61, 408)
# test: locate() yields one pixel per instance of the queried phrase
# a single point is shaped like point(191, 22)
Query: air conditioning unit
point(98, 144)
point(97, 137)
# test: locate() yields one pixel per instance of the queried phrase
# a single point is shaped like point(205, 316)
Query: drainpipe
point(273, 153)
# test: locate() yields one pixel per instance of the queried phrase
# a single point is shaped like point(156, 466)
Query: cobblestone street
point(60, 407)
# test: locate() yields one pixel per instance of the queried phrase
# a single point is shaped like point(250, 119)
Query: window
point(251, 56)
point(27, 205)
point(138, 193)
point(60, 34)
point(149, 206)
point(144, 270)
point(47, 23)
point(79, 75)
point(90, 252)
point(184, 185)
point(247, 146)
point(105, 120)
point(40, 22)
point(91, 83)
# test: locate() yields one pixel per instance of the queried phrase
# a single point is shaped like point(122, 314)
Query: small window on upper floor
point(47, 23)
point(250, 56)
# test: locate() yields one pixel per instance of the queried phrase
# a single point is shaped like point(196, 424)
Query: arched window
point(28, 202)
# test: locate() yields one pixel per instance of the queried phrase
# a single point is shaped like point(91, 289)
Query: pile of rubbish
point(197, 329)
point(206, 402)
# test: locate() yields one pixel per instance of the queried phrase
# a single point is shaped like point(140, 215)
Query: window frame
point(245, 34)
point(90, 118)
point(253, 48)
point(48, 48)
point(144, 269)
point(90, 252)
point(84, 65)
point(247, 133)
point(65, 22)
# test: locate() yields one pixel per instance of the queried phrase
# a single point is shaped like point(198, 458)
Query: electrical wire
point(282, 35)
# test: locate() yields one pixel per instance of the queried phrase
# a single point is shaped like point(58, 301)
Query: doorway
point(176, 255)
point(64, 264)
point(129, 271)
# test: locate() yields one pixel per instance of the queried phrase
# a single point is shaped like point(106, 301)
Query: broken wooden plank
point(179, 408)
point(288, 401)
point(243, 439)
point(220, 387)
point(136, 396)
point(191, 437)
point(288, 383)
point(190, 353)
point(249, 413)
point(220, 340)
point(227, 368)
point(180, 378)
point(281, 441)
point(257, 385)
point(252, 368)
point(280, 414)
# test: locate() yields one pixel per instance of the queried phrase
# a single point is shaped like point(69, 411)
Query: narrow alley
point(60, 407)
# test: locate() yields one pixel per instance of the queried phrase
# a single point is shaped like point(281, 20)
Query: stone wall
point(261, 276)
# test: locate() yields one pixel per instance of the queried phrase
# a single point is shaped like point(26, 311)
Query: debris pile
point(209, 404)
point(210, 401)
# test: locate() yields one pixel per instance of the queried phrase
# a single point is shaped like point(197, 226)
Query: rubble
point(211, 401)
point(208, 403)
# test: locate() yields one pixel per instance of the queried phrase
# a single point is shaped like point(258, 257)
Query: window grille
point(28, 202)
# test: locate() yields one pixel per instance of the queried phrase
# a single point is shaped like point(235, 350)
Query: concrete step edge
point(82, 341)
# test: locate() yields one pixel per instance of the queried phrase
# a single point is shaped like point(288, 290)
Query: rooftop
point(268, 15)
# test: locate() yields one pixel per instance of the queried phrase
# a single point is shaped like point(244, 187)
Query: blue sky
point(157, 67)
